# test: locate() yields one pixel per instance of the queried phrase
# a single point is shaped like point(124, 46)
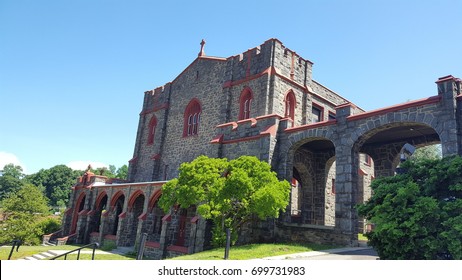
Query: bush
point(418, 215)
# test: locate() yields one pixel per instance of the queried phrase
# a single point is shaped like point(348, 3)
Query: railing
point(15, 243)
point(93, 245)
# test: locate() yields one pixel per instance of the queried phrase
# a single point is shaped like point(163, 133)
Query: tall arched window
point(192, 117)
point(152, 130)
point(245, 104)
point(289, 101)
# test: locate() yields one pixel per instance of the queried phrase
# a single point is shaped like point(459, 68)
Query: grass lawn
point(26, 251)
point(254, 251)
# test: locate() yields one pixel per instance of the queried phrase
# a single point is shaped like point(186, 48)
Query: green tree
point(427, 152)
point(22, 211)
point(56, 182)
point(122, 172)
point(418, 215)
point(12, 170)
point(230, 193)
point(9, 184)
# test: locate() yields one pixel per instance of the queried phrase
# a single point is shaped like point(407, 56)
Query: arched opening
point(313, 171)
point(118, 207)
point(290, 104)
point(384, 144)
point(245, 104)
point(136, 206)
point(78, 208)
point(192, 117)
point(154, 221)
point(100, 206)
point(152, 130)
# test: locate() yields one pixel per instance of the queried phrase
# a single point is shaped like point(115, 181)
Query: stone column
point(449, 88)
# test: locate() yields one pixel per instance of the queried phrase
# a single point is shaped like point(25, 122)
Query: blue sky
point(73, 73)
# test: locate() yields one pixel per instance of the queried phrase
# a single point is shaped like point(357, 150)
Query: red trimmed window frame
point(290, 104)
point(192, 117)
point(245, 104)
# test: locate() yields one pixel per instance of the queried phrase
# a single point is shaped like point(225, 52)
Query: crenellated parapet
point(156, 99)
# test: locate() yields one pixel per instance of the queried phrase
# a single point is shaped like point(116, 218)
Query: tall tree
point(12, 170)
point(57, 182)
point(230, 193)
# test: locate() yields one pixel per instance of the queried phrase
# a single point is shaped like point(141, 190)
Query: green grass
point(26, 251)
point(362, 237)
point(254, 251)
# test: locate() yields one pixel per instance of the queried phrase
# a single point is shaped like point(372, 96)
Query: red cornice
point(270, 130)
point(382, 111)
point(310, 126)
point(155, 109)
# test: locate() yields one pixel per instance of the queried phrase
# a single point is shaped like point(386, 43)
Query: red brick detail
point(233, 124)
point(217, 139)
point(178, 249)
point(194, 219)
point(83, 213)
point(310, 126)
point(123, 215)
point(143, 216)
point(68, 211)
point(115, 197)
point(167, 218)
point(100, 198)
point(270, 130)
point(91, 213)
point(361, 172)
point(459, 97)
point(156, 157)
point(133, 160)
point(155, 109)
point(402, 106)
point(94, 234)
point(447, 78)
point(133, 197)
point(245, 103)
point(151, 244)
point(253, 122)
point(111, 237)
point(191, 118)
point(154, 199)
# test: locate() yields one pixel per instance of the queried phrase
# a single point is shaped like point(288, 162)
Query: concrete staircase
point(40, 256)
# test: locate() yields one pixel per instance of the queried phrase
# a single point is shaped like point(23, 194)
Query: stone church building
point(263, 103)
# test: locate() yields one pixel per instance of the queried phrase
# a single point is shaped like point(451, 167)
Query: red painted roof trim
point(420, 102)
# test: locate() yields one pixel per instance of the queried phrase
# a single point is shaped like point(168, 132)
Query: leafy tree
point(12, 170)
point(427, 152)
point(9, 184)
point(418, 215)
point(57, 182)
point(230, 193)
point(122, 172)
point(22, 210)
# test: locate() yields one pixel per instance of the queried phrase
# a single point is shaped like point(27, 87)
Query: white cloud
point(6, 158)
point(83, 165)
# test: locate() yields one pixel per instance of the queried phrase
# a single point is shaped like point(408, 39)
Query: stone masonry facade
point(264, 103)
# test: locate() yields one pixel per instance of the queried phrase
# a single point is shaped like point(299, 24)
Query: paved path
point(348, 253)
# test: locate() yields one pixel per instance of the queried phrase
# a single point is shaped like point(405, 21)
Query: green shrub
point(418, 215)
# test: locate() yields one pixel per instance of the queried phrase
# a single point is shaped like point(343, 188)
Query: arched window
point(192, 116)
point(289, 101)
point(245, 104)
point(152, 130)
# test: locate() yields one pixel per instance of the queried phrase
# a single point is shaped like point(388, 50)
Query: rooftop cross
point(202, 53)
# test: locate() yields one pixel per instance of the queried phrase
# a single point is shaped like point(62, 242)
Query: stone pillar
point(347, 160)
point(449, 88)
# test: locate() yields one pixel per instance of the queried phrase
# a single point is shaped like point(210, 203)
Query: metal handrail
point(94, 245)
